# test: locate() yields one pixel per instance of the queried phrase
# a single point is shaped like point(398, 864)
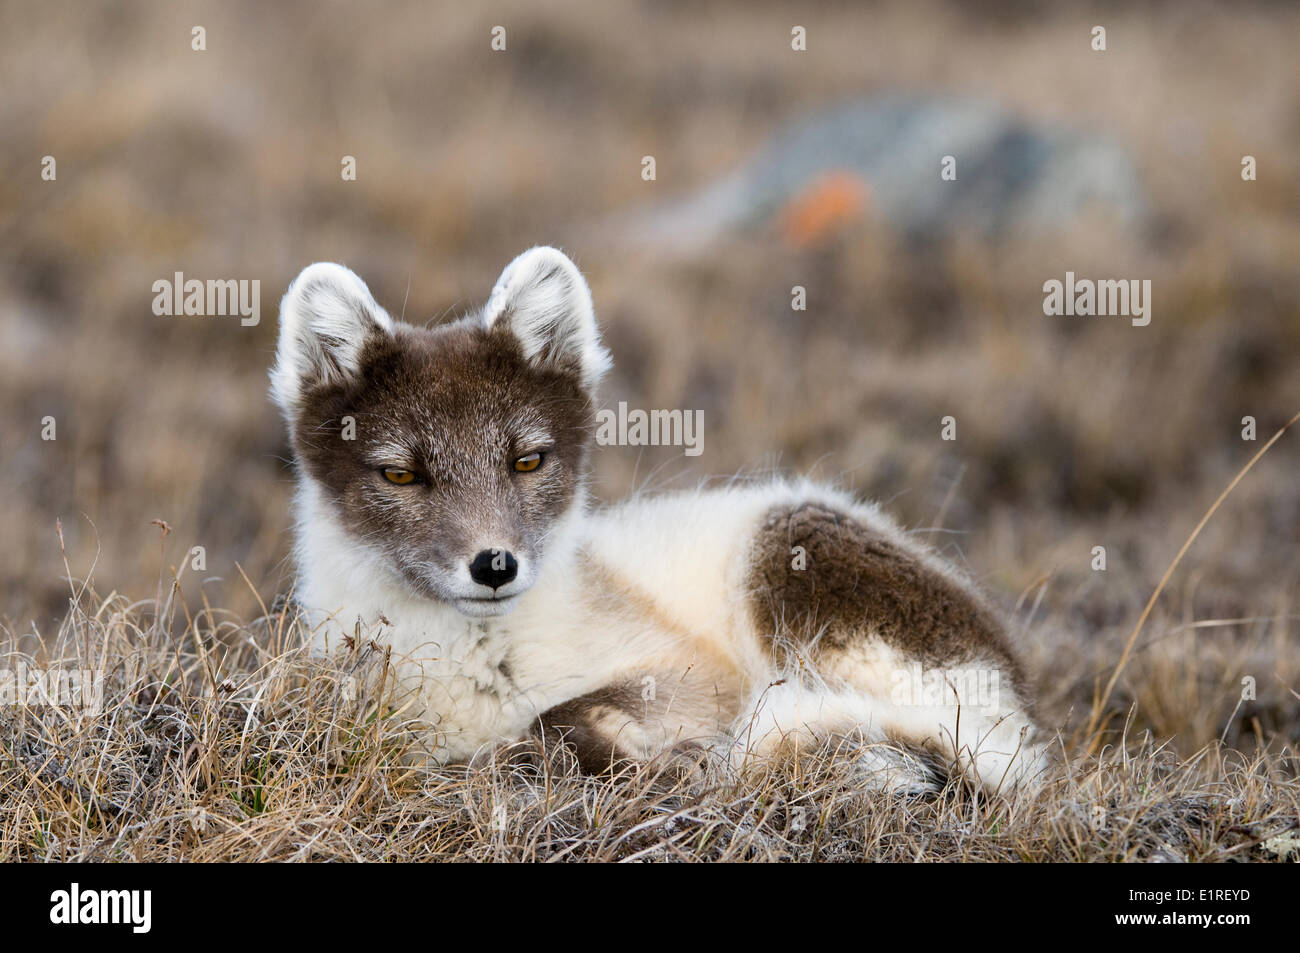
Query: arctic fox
point(442, 507)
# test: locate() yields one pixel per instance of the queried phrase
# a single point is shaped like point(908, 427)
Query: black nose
point(493, 567)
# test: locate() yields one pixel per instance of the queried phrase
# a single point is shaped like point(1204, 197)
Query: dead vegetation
point(219, 739)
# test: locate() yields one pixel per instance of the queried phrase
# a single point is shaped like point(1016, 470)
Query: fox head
point(447, 453)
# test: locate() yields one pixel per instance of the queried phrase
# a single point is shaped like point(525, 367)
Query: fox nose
point(493, 567)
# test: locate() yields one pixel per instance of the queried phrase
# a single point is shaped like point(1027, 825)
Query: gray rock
point(1012, 175)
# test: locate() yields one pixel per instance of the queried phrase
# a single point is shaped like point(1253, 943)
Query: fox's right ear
point(326, 317)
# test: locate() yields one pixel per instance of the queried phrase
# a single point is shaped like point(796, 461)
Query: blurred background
point(774, 168)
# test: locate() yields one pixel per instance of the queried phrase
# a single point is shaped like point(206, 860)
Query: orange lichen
point(823, 208)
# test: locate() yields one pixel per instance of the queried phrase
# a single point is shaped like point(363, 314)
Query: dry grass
point(1071, 434)
point(220, 741)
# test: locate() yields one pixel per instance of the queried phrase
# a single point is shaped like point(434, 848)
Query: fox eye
point(399, 476)
point(528, 462)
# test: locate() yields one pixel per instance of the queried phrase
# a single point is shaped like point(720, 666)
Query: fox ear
point(544, 301)
point(326, 317)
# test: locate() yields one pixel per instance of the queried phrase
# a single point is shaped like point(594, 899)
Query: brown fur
point(578, 724)
point(858, 583)
point(606, 728)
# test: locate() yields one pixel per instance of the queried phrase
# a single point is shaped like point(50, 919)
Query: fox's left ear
point(544, 301)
